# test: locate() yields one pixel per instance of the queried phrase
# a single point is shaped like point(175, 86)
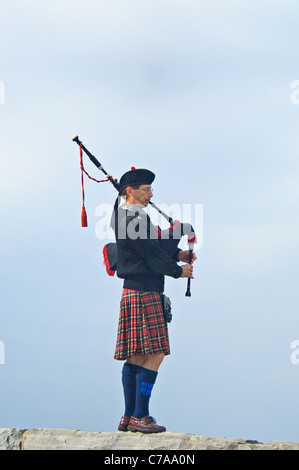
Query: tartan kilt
point(141, 326)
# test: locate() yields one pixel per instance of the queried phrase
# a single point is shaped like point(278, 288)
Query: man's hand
point(184, 256)
point(187, 271)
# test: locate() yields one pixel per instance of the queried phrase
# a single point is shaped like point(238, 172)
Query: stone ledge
point(64, 439)
point(11, 439)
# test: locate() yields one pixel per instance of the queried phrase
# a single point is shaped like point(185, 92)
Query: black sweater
point(143, 258)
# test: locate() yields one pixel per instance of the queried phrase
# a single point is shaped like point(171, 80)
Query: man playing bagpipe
point(144, 257)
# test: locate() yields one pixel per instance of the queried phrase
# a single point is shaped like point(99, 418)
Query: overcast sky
point(200, 92)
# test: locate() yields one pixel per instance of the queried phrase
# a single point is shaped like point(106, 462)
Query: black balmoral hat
point(135, 177)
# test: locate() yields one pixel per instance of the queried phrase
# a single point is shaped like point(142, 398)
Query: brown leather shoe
point(123, 424)
point(147, 424)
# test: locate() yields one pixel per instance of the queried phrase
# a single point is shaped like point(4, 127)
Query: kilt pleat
point(141, 326)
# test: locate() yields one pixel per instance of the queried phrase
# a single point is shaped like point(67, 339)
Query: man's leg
point(145, 378)
point(138, 373)
point(146, 375)
point(129, 385)
point(149, 361)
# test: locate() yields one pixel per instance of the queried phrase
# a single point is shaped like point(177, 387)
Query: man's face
point(142, 195)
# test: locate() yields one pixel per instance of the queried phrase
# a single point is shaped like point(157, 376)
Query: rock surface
point(11, 439)
point(64, 439)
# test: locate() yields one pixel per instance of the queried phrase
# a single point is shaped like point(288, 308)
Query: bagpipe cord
point(83, 212)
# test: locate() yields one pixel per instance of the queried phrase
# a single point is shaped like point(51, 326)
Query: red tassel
point(108, 178)
point(83, 217)
point(83, 212)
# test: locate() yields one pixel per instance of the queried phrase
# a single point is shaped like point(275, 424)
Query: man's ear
point(129, 191)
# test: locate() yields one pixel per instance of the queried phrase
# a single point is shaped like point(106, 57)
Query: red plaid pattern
point(141, 327)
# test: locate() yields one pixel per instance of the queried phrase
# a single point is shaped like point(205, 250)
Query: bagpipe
point(174, 234)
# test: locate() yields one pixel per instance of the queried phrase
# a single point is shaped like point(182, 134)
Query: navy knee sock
point(129, 387)
point(145, 379)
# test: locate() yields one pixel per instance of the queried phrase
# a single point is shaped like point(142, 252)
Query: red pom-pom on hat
point(133, 168)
